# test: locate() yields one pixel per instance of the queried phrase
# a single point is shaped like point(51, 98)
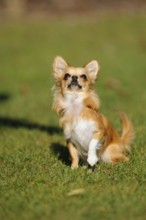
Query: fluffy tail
point(127, 133)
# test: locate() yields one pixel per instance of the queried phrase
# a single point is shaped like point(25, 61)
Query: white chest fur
point(73, 104)
point(82, 133)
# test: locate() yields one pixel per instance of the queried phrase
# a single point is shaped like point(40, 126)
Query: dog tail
point(127, 133)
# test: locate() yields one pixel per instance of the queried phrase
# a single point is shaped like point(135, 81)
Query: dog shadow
point(15, 123)
point(61, 152)
point(23, 123)
point(4, 97)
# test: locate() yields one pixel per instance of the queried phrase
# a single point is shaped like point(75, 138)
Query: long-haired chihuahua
point(88, 133)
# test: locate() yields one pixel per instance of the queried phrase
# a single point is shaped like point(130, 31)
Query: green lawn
point(35, 174)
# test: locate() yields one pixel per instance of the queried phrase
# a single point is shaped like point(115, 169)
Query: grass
point(35, 175)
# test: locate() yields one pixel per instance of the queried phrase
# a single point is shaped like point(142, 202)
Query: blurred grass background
point(35, 176)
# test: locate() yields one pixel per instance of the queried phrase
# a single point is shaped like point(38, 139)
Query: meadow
point(36, 181)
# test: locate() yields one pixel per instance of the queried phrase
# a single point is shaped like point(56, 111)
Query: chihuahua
point(88, 133)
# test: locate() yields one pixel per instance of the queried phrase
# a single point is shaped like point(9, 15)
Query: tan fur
point(74, 155)
point(80, 102)
point(128, 132)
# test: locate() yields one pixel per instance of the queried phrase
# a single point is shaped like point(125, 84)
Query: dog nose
point(74, 78)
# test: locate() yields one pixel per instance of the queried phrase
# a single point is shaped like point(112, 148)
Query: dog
point(88, 133)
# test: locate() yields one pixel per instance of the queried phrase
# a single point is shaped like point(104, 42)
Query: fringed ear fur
point(59, 66)
point(92, 69)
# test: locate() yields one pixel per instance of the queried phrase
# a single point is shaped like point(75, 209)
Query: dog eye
point(83, 76)
point(66, 76)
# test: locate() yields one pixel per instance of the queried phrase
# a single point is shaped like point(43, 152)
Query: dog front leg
point(74, 155)
point(92, 152)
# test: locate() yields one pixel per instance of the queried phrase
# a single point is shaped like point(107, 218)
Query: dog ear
point(92, 69)
point(59, 66)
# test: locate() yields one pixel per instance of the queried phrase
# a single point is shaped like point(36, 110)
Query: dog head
point(74, 78)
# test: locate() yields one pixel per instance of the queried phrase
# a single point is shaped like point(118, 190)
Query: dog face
point(75, 78)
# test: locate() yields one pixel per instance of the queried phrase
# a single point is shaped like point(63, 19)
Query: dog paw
point(74, 166)
point(92, 160)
